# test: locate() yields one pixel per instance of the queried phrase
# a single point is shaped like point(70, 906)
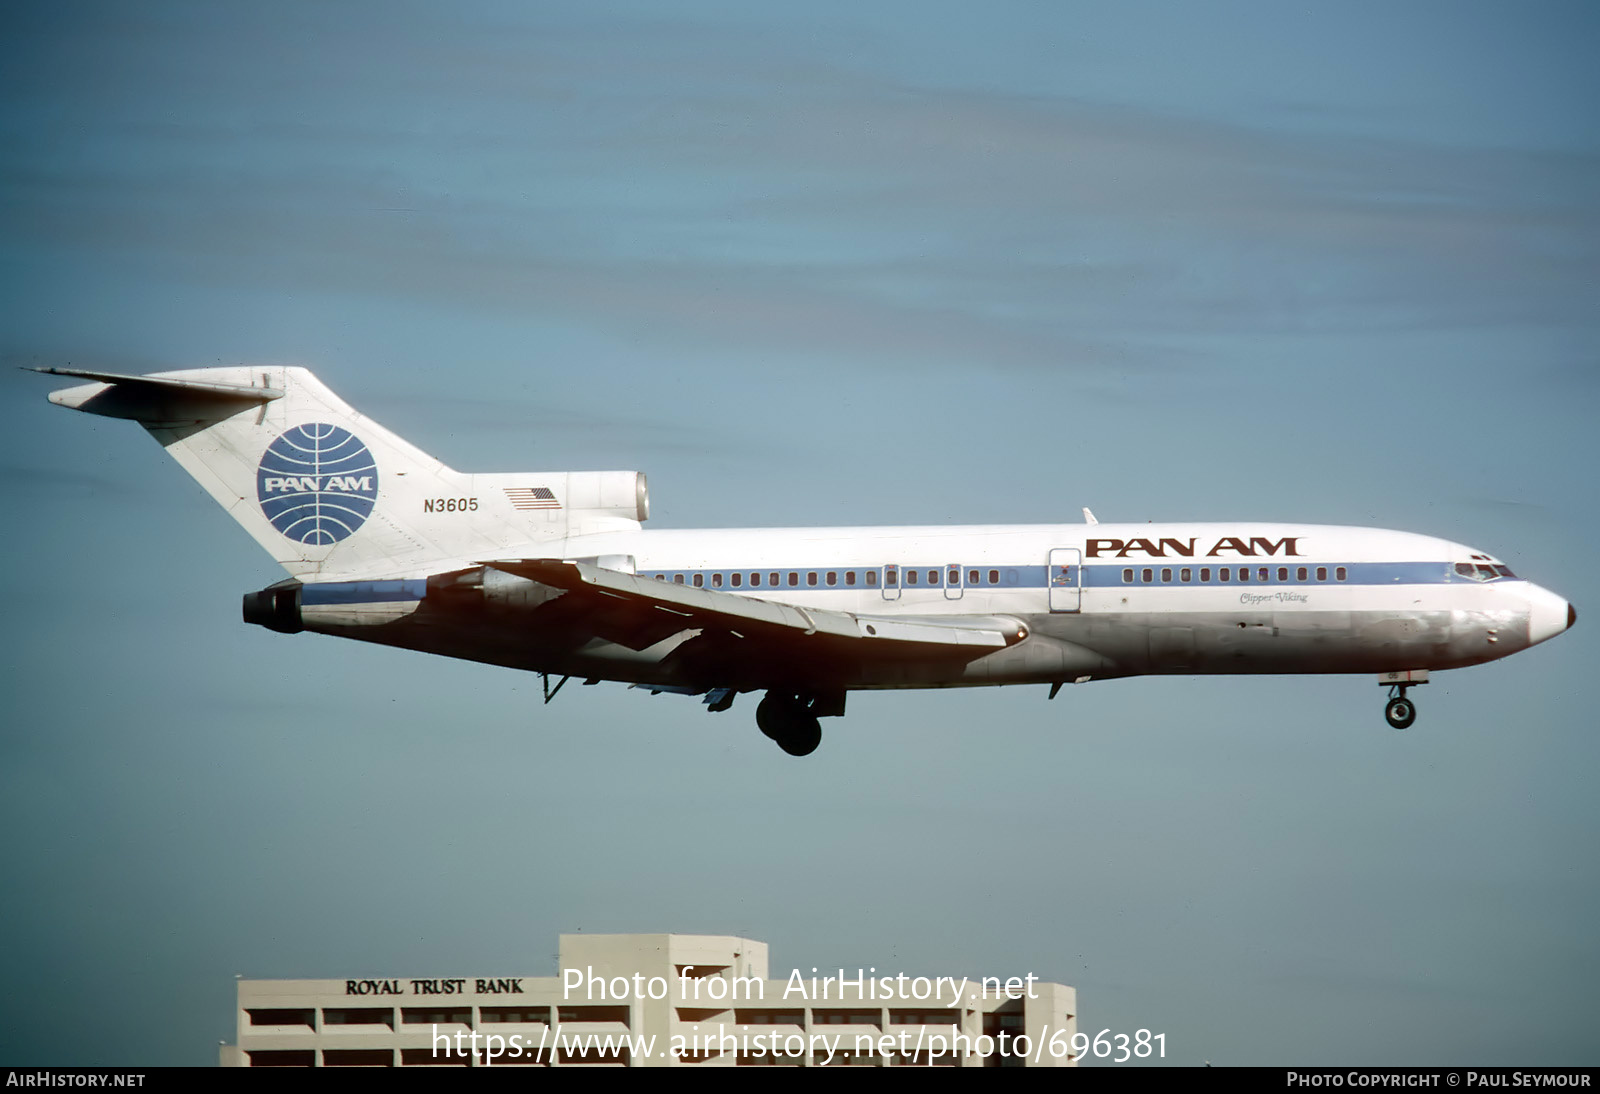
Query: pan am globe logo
point(317, 484)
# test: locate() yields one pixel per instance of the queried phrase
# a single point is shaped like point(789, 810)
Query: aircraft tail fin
point(328, 492)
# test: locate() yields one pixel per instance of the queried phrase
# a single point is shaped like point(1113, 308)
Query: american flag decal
point(531, 497)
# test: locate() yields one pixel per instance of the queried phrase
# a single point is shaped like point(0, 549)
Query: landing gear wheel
point(772, 717)
point(1401, 712)
point(803, 737)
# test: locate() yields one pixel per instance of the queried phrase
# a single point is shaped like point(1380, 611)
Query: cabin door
point(1064, 576)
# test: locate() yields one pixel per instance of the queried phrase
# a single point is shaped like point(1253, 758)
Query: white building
point(657, 1000)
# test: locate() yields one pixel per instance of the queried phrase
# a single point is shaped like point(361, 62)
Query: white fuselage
point(1100, 600)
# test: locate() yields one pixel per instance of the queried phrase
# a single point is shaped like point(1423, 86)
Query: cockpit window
point(1482, 571)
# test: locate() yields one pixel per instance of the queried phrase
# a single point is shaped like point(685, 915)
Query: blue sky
point(917, 263)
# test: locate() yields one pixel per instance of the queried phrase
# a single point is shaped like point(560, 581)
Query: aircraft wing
point(638, 612)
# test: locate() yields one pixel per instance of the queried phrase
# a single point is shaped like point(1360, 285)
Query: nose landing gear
point(1400, 711)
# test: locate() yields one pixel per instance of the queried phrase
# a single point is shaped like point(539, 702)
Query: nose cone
point(1548, 615)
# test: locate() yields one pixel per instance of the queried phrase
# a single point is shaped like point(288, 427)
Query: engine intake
point(277, 608)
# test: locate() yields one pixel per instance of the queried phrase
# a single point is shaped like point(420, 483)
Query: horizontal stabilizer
point(155, 398)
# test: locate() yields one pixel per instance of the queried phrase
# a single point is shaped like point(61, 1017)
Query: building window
point(368, 1057)
point(515, 1015)
point(592, 1014)
point(283, 1057)
point(358, 1016)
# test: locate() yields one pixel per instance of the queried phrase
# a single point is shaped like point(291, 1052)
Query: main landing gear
point(791, 720)
point(1400, 711)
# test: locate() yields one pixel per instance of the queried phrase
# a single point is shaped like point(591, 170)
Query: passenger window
point(794, 579)
point(954, 577)
point(890, 576)
point(872, 578)
point(1147, 576)
point(849, 577)
point(1338, 573)
point(811, 577)
point(677, 579)
point(1283, 573)
point(972, 577)
point(699, 580)
point(737, 579)
point(933, 577)
point(1262, 574)
point(1300, 574)
point(911, 577)
point(994, 577)
point(1127, 577)
point(1244, 573)
point(755, 580)
point(1223, 573)
point(1205, 573)
point(833, 578)
point(772, 579)
point(1185, 574)
point(716, 581)
point(1166, 575)
point(1322, 573)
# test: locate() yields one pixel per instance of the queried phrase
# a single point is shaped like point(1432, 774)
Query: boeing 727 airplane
point(552, 572)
